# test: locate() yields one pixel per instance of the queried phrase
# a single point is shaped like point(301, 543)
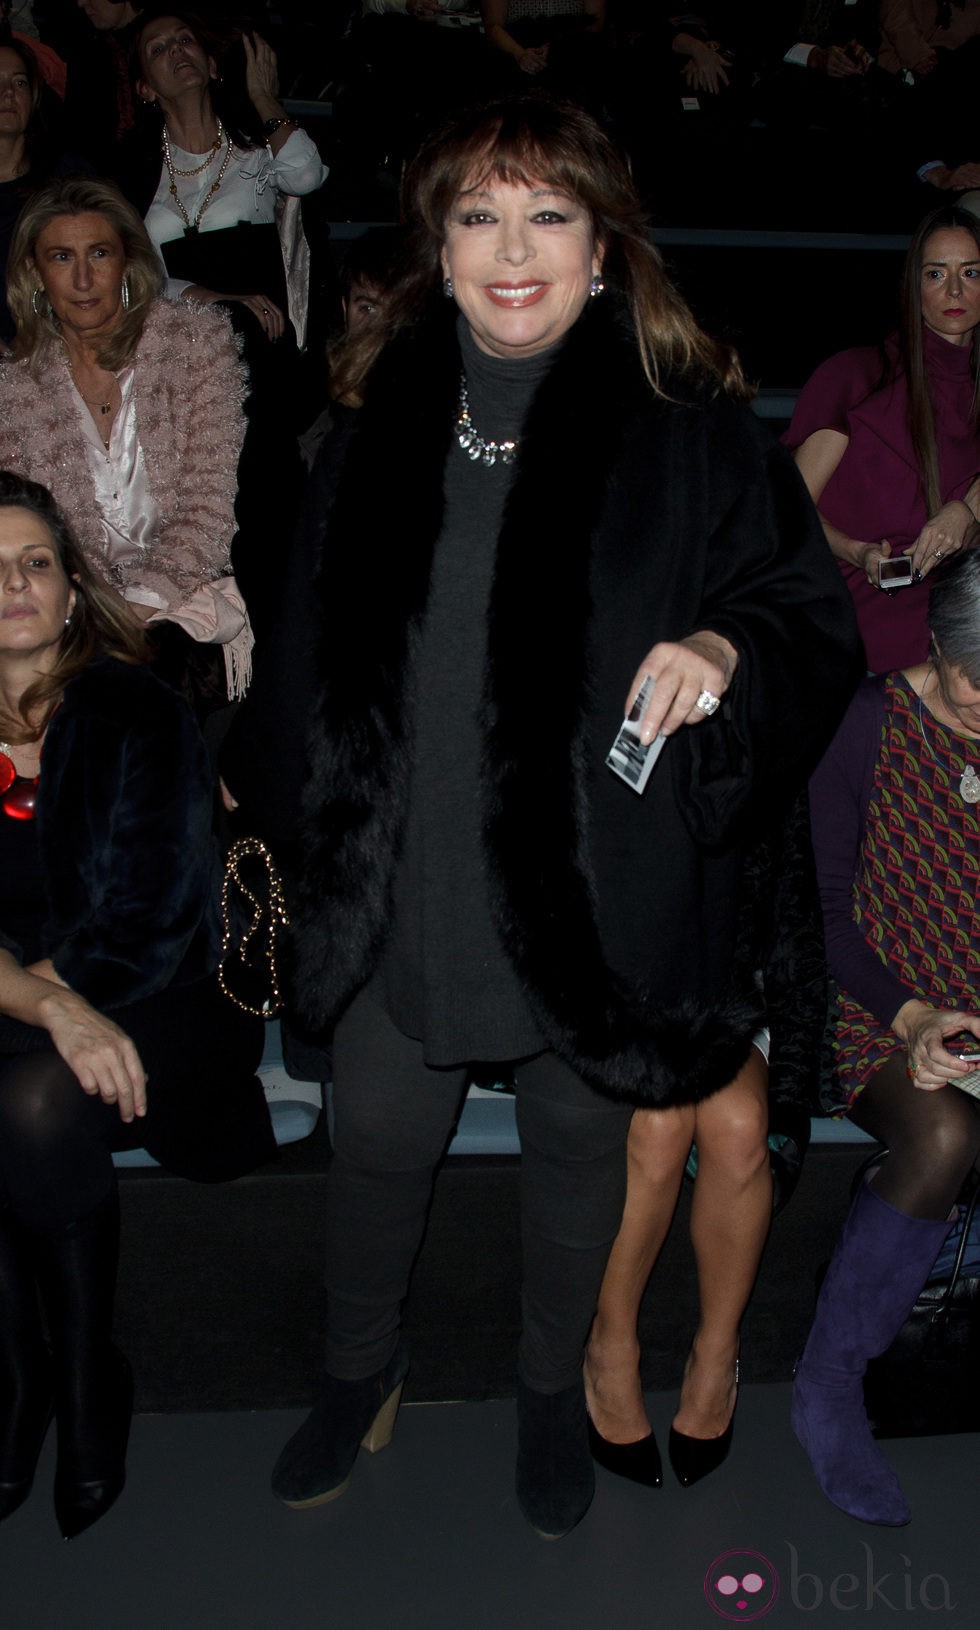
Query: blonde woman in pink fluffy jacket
point(128, 408)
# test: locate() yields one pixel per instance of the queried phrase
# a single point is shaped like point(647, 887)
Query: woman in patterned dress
point(896, 819)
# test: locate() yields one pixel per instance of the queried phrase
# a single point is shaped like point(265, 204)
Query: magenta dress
point(875, 491)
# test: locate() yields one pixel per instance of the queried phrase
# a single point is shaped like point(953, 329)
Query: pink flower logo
point(741, 1585)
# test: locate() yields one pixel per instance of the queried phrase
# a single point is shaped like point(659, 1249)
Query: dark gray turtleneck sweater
point(445, 976)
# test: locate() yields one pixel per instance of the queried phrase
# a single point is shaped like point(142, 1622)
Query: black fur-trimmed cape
point(632, 519)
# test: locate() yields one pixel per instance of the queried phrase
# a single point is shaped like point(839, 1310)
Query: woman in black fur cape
point(550, 493)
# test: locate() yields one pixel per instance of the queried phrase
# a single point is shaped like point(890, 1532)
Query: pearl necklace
point(472, 443)
point(969, 780)
point(189, 225)
point(209, 155)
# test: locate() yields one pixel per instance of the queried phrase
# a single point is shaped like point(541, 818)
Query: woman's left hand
point(925, 1030)
point(707, 69)
point(944, 534)
point(265, 311)
point(261, 70)
point(702, 666)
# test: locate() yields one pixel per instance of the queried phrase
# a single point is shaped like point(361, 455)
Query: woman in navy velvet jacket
point(108, 952)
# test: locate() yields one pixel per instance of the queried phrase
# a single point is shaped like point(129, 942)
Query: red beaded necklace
point(18, 793)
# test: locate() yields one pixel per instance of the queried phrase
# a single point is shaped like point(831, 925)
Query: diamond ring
point(708, 702)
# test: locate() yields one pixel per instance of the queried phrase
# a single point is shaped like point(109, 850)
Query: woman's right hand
point(534, 60)
point(866, 557)
point(924, 1030)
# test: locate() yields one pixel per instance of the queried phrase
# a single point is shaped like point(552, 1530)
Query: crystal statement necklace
point(189, 225)
point(18, 793)
point(969, 780)
point(473, 445)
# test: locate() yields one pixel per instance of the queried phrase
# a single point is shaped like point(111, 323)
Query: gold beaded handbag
point(253, 922)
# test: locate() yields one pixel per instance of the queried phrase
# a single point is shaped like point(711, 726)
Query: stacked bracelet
point(272, 125)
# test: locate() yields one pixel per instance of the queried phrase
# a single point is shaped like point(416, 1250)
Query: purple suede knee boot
point(879, 1265)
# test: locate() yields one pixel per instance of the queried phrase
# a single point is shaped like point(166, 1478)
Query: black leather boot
point(93, 1383)
point(26, 1398)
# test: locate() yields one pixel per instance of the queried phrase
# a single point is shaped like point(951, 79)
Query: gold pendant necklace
point(105, 407)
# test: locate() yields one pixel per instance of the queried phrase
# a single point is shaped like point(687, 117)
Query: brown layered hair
point(529, 140)
point(921, 417)
point(80, 195)
point(99, 624)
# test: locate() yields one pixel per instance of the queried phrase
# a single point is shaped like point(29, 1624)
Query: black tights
point(55, 1142)
point(393, 1116)
point(933, 1140)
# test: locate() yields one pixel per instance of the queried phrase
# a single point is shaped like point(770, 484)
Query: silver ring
point(938, 554)
point(708, 702)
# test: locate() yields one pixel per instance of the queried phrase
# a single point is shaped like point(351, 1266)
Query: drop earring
point(124, 294)
point(447, 288)
point(597, 285)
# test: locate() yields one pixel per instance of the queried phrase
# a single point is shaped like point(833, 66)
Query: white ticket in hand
point(628, 757)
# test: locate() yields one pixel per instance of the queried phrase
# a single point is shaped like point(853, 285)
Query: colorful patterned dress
point(916, 887)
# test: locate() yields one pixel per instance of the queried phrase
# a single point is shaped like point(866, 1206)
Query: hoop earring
point(124, 293)
point(447, 288)
point(597, 286)
point(36, 305)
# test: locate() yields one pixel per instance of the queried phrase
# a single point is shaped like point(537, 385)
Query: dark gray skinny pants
point(393, 1116)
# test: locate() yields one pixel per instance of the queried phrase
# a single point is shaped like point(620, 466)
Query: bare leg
point(730, 1218)
point(659, 1142)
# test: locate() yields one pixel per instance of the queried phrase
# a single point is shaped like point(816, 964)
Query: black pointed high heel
point(694, 1458)
point(91, 1470)
point(75, 1265)
point(638, 1461)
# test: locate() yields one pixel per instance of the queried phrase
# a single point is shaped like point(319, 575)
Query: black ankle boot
point(93, 1383)
point(316, 1464)
point(26, 1392)
point(555, 1475)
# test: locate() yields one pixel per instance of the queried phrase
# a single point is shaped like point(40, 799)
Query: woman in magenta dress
point(888, 444)
point(896, 828)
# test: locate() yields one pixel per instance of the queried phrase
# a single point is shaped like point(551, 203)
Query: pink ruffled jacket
point(189, 388)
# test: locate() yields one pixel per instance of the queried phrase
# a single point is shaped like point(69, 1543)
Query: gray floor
point(429, 1538)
